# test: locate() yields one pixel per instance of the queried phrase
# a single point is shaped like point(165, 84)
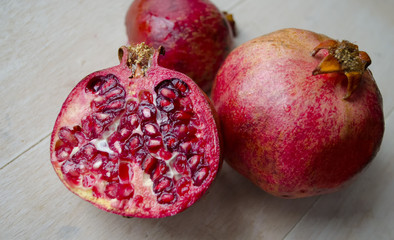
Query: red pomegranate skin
point(96, 183)
point(289, 132)
point(195, 34)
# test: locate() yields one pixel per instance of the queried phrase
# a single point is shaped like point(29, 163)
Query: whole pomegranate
point(196, 36)
point(137, 139)
point(301, 114)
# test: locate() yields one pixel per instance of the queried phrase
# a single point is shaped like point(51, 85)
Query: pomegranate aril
point(125, 172)
point(149, 164)
point(63, 153)
point(182, 87)
point(88, 181)
point(194, 161)
point(102, 118)
point(171, 142)
point(126, 191)
point(164, 104)
point(168, 93)
point(114, 106)
point(115, 93)
point(147, 112)
point(145, 97)
point(183, 186)
point(139, 156)
point(153, 144)
point(112, 189)
point(181, 165)
point(180, 131)
point(110, 81)
point(185, 147)
point(134, 143)
point(71, 172)
point(94, 84)
point(129, 121)
point(131, 106)
point(186, 104)
point(109, 171)
point(166, 198)
point(67, 136)
point(162, 184)
point(182, 116)
point(160, 169)
point(200, 175)
point(151, 129)
point(164, 154)
point(90, 127)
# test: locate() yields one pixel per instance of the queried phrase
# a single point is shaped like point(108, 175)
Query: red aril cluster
point(137, 140)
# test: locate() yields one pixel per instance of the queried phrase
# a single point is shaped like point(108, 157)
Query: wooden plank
point(363, 210)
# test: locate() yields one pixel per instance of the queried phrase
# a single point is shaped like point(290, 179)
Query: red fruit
point(114, 145)
point(300, 113)
point(195, 34)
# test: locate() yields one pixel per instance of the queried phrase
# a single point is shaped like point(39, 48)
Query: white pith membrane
point(138, 175)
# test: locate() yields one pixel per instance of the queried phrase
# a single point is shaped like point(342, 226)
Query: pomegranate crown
point(139, 58)
point(343, 57)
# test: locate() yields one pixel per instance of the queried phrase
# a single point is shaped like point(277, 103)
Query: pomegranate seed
point(183, 186)
point(63, 153)
point(166, 198)
point(115, 93)
point(162, 184)
point(126, 191)
point(125, 172)
point(134, 143)
point(114, 106)
point(182, 116)
point(180, 131)
point(153, 143)
point(151, 129)
point(164, 154)
point(147, 112)
point(94, 84)
point(129, 121)
point(131, 106)
point(110, 82)
point(161, 169)
point(111, 190)
point(168, 93)
point(149, 164)
point(194, 162)
point(181, 86)
point(67, 136)
point(180, 164)
point(171, 142)
point(88, 180)
point(109, 171)
point(145, 97)
point(102, 118)
point(200, 175)
point(164, 104)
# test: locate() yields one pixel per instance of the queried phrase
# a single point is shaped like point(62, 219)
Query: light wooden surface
point(48, 46)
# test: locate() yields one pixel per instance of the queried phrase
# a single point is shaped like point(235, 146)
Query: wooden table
point(48, 46)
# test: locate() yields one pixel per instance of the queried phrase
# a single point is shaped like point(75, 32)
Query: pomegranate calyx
point(139, 58)
point(343, 57)
point(231, 22)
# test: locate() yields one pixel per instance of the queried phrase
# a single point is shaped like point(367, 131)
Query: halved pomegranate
point(137, 139)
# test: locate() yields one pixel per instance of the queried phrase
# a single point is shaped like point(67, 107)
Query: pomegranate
point(301, 114)
point(196, 35)
point(137, 139)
